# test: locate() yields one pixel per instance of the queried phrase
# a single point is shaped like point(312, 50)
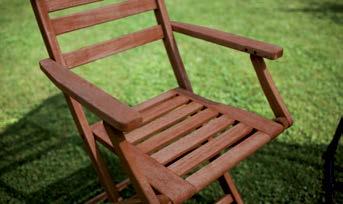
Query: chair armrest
point(243, 44)
point(105, 106)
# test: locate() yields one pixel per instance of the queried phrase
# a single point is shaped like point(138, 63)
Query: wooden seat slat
point(192, 140)
point(155, 101)
point(249, 118)
point(163, 122)
point(163, 108)
point(180, 129)
point(210, 149)
point(225, 162)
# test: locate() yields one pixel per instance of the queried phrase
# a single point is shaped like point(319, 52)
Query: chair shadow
point(331, 10)
point(32, 142)
point(43, 131)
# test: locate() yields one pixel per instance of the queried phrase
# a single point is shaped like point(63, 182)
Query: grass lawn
point(41, 155)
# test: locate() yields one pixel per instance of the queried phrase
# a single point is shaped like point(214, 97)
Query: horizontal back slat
point(101, 15)
point(104, 49)
point(55, 5)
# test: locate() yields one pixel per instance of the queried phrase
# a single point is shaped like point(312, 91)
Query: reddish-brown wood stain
point(174, 145)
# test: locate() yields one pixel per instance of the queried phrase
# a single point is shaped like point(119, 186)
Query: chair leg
point(112, 192)
point(229, 187)
point(92, 149)
point(126, 153)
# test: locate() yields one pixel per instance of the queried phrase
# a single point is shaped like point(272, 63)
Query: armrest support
point(243, 44)
point(270, 91)
point(108, 108)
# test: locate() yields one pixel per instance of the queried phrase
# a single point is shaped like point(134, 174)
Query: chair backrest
point(52, 27)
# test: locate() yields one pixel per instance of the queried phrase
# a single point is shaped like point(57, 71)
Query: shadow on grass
point(42, 162)
point(42, 138)
point(331, 10)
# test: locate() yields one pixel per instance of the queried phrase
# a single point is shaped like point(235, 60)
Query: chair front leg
point(92, 149)
point(270, 91)
point(126, 155)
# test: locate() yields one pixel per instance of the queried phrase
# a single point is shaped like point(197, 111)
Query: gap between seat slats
point(212, 171)
point(162, 108)
point(101, 15)
point(251, 119)
point(163, 122)
point(150, 109)
point(155, 101)
point(55, 5)
point(141, 133)
point(107, 48)
point(210, 149)
point(193, 140)
point(188, 125)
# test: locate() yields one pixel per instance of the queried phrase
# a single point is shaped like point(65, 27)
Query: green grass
point(41, 155)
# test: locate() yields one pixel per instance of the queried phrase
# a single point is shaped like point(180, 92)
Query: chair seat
point(183, 131)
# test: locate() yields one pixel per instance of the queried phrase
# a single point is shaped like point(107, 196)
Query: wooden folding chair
point(177, 143)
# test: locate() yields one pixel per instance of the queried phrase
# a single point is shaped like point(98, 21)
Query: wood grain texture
point(154, 101)
point(231, 158)
point(100, 134)
point(270, 91)
point(171, 46)
point(41, 13)
point(163, 108)
point(162, 179)
point(210, 149)
point(101, 15)
point(233, 41)
point(55, 5)
point(52, 46)
point(176, 131)
point(191, 141)
point(178, 128)
point(105, 106)
point(163, 122)
point(110, 47)
point(92, 149)
point(231, 188)
point(128, 157)
point(251, 119)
